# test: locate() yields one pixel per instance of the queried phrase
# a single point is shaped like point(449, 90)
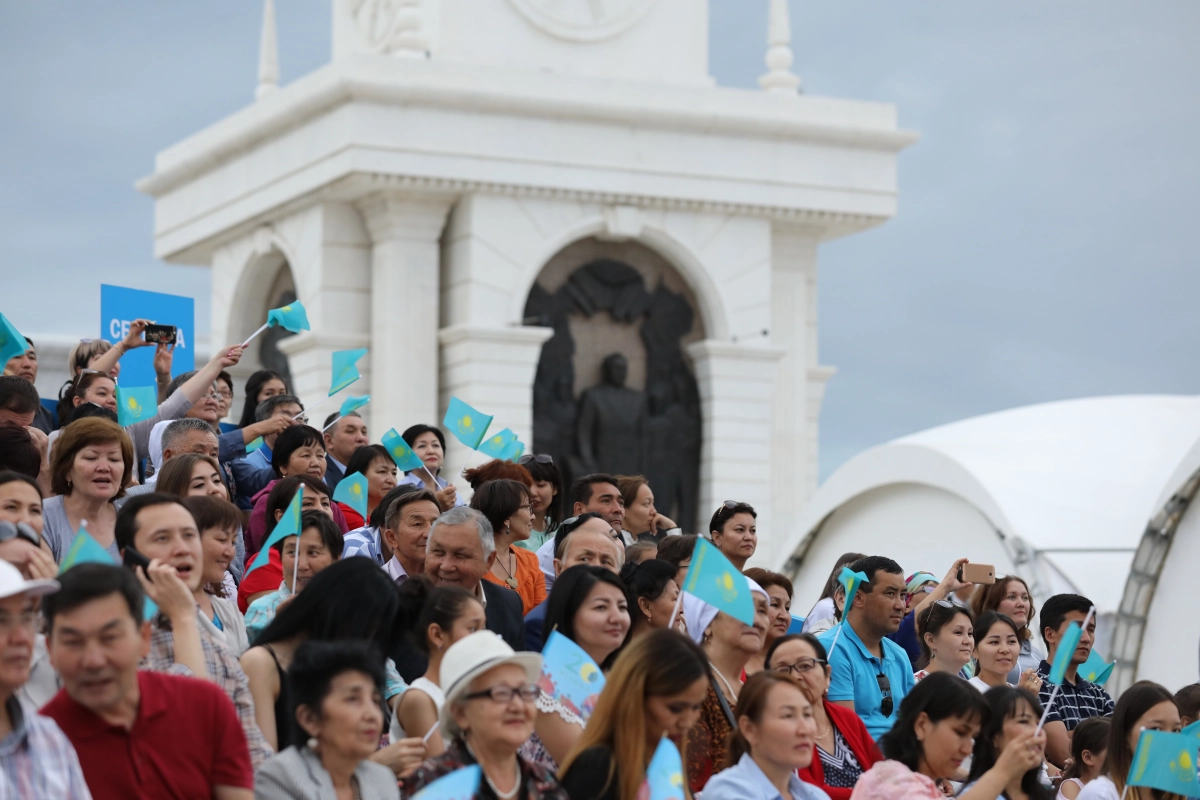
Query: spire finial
point(779, 79)
point(268, 54)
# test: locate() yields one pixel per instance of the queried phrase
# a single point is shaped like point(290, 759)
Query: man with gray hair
point(460, 551)
point(253, 473)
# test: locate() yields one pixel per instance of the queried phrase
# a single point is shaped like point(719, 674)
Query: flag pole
point(296, 565)
point(330, 425)
point(679, 600)
point(265, 325)
point(1057, 686)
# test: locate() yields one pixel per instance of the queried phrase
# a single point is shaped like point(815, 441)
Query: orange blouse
point(531, 583)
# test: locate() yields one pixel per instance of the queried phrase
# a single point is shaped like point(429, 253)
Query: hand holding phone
point(977, 573)
point(161, 334)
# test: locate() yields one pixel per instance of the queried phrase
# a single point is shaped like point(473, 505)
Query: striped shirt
point(1074, 702)
point(37, 760)
point(363, 542)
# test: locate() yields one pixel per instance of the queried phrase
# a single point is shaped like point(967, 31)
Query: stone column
point(405, 231)
point(736, 383)
point(492, 369)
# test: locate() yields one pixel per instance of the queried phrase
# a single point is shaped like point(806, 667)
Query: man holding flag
point(1075, 699)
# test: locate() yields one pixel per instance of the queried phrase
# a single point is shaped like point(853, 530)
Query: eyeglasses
point(26, 619)
point(800, 667)
point(504, 694)
point(540, 458)
point(885, 686)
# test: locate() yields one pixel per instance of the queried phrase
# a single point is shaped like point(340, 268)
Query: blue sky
point(1046, 245)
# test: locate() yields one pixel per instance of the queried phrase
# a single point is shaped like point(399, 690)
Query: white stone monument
point(411, 191)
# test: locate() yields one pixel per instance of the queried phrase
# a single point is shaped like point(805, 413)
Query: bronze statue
point(612, 422)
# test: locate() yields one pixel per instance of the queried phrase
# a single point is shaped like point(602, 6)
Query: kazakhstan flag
point(84, 550)
point(851, 581)
point(1095, 670)
point(12, 343)
point(515, 450)
point(293, 317)
point(400, 452)
point(136, 404)
point(352, 490)
point(468, 425)
point(1165, 761)
point(288, 525)
point(345, 369)
point(1066, 649)
point(353, 403)
point(664, 775)
point(497, 444)
point(713, 579)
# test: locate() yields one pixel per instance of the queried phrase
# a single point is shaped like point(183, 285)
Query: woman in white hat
point(491, 694)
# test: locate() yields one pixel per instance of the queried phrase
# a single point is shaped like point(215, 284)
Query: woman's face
point(542, 495)
point(472, 620)
point(1023, 720)
point(307, 460)
point(499, 725)
point(206, 482)
point(312, 501)
point(640, 514)
point(658, 612)
point(945, 745)
point(219, 551)
point(270, 389)
point(739, 538)
point(681, 571)
point(602, 621)
point(997, 651)
point(351, 719)
point(381, 479)
point(737, 635)
point(784, 734)
point(428, 448)
point(314, 556)
point(97, 471)
point(20, 502)
point(1016, 603)
point(102, 392)
point(798, 659)
point(779, 613)
point(674, 714)
point(207, 408)
point(954, 644)
point(520, 524)
point(1162, 717)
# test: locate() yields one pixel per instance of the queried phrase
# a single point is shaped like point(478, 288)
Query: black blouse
point(588, 776)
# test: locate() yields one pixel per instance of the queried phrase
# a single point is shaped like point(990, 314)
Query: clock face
point(583, 20)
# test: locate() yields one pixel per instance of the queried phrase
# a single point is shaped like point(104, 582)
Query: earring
point(312, 743)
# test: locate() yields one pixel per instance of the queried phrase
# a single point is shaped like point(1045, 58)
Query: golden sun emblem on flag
point(1184, 761)
point(356, 490)
point(286, 308)
point(726, 586)
point(465, 423)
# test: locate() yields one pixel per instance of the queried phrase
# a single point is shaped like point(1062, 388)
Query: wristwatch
point(9, 530)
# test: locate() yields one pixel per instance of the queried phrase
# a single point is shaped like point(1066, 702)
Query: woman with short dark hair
point(652, 593)
point(429, 444)
point(90, 469)
point(375, 464)
point(507, 506)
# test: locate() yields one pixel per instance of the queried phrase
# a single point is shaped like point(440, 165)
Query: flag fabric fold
point(497, 444)
point(353, 403)
point(1165, 761)
point(352, 490)
point(570, 676)
point(1066, 649)
point(664, 775)
point(467, 424)
point(345, 369)
point(1095, 669)
point(293, 317)
point(288, 525)
point(136, 404)
point(84, 550)
point(406, 460)
point(711, 577)
point(12, 342)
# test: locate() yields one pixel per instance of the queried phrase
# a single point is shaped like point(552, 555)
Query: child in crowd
point(1089, 745)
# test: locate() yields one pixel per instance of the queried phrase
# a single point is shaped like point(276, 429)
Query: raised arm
point(949, 585)
point(132, 341)
point(195, 386)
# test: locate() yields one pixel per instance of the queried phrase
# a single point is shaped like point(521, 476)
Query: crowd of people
point(377, 650)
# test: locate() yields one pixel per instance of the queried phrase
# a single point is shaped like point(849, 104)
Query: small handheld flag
point(496, 444)
point(514, 451)
point(458, 785)
point(570, 676)
point(1165, 761)
point(84, 550)
point(352, 490)
point(288, 525)
point(136, 404)
point(12, 343)
point(293, 317)
point(850, 581)
point(406, 460)
point(1095, 670)
point(353, 403)
point(715, 580)
point(1066, 649)
point(664, 775)
point(468, 425)
point(254, 445)
point(345, 368)
point(1192, 730)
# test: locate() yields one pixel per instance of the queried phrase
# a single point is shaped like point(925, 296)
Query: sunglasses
point(885, 686)
point(540, 458)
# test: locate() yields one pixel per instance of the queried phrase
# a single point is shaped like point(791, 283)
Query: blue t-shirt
point(906, 637)
point(854, 676)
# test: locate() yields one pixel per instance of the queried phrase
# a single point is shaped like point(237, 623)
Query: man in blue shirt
point(870, 673)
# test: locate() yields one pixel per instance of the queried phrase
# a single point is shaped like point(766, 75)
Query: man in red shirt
point(138, 734)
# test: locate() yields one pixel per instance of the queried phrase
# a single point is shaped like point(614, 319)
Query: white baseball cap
point(470, 657)
point(13, 583)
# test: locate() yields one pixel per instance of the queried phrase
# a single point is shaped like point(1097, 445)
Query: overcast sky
point(1046, 245)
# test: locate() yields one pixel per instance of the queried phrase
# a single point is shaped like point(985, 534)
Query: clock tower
point(647, 40)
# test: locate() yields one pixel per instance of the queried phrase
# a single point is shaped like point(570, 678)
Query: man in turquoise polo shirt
point(871, 674)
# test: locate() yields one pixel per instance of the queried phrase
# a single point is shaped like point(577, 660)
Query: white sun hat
point(13, 583)
point(470, 657)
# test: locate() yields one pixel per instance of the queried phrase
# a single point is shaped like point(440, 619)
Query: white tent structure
point(1088, 496)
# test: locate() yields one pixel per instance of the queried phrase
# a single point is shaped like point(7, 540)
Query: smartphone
point(160, 334)
point(133, 559)
point(977, 573)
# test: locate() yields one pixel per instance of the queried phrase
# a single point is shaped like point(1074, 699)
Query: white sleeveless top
point(425, 686)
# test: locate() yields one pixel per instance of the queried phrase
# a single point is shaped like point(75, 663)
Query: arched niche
point(603, 298)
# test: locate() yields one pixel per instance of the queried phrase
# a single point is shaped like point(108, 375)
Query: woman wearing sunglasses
point(844, 748)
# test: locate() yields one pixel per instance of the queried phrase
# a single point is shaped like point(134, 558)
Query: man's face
point(96, 649)
point(13, 418)
point(883, 608)
point(199, 442)
point(18, 626)
point(1084, 648)
point(605, 501)
point(347, 435)
point(455, 556)
point(591, 543)
point(23, 366)
point(409, 535)
point(167, 532)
